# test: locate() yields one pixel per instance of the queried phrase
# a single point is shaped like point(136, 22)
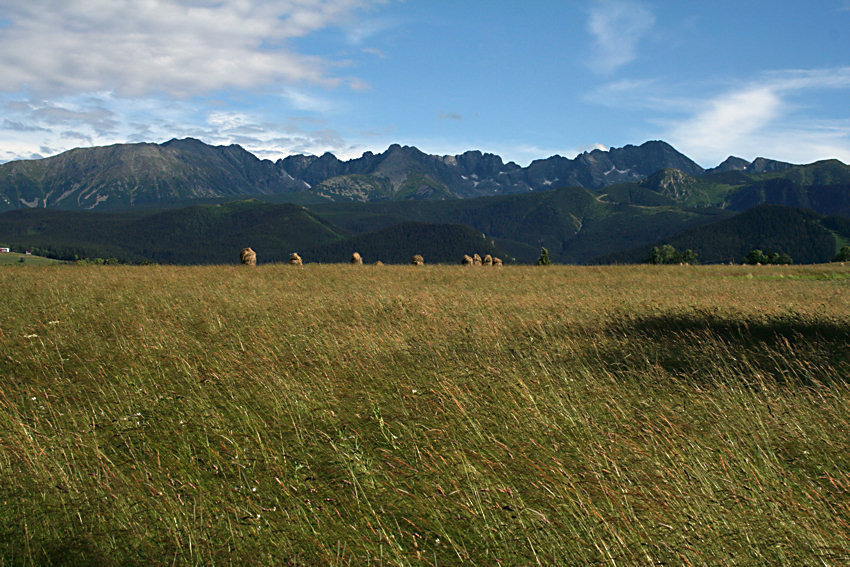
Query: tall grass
point(435, 415)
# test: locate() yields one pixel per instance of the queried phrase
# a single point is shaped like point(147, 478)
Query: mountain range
point(600, 206)
point(179, 171)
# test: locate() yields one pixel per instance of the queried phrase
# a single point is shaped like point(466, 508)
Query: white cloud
point(767, 118)
point(617, 26)
point(139, 47)
point(727, 120)
point(97, 72)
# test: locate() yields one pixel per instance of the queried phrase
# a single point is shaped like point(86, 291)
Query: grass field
point(14, 258)
point(437, 415)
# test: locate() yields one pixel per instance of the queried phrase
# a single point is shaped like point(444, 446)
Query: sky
point(524, 79)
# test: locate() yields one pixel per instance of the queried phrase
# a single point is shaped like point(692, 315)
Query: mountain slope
point(573, 223)
point(805, 235)
point(133, 175)
point(821, 186)
point(127, 175)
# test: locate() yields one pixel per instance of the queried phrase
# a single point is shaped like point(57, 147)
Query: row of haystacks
point(477, 260)
point(249, 258)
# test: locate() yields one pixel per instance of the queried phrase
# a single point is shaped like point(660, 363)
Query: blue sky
point(523, 79)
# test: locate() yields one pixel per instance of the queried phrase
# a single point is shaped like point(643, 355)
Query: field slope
point(424, 415)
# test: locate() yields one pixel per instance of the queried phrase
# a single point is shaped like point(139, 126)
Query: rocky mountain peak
point(731, 163)
point(764, 165)
point(669, 181)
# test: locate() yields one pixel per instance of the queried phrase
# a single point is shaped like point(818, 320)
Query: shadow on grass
point(707, 346)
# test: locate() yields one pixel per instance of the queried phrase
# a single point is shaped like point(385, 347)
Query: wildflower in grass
point(53, 322)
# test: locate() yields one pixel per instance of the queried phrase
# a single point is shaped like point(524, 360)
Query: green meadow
point(436, 415)
point(17, 259)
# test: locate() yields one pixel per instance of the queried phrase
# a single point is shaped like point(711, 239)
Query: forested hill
point(804, 235)
point(214, 234)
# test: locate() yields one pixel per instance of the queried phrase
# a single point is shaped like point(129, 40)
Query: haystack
point(356, 259)
point(248, 257)
point(417, 260)
point(467, 260)
point(476, 259)
point(295, 259)
point(488, 260)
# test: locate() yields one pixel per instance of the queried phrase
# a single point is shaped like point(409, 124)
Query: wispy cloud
point(44, 115)
point(766, 118)
point(301, 99)
point(20, 126)
point(374, 51)
point(617, 26)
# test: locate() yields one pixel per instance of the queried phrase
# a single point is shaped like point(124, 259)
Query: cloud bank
point(179, 47)
point(93, 72)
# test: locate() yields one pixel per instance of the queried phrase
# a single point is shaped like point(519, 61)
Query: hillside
point(396, 244)
point(573, 223)
point(214, 234)
point(205, 234)
point(805, 235)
